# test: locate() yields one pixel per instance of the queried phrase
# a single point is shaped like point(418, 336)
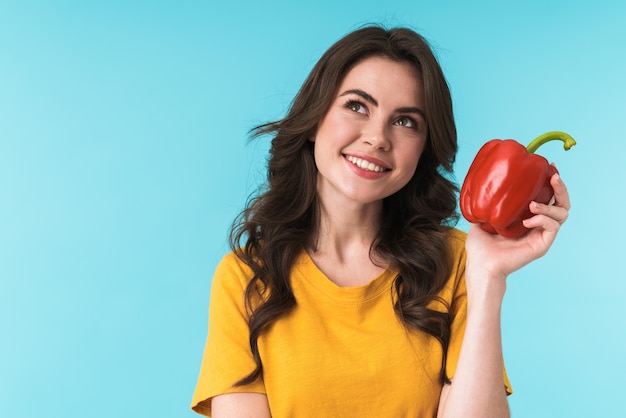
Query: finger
point(558, 213)
point(544, 222)
point(542, 233)
point(561, 195)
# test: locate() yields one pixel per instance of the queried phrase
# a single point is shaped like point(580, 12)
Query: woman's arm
point(240, 405)
point(477, 388)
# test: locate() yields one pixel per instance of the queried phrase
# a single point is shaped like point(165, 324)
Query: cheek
point(335, 128)
point(412, 155)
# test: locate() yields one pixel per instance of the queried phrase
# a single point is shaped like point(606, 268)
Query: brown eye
point(406, 122)
point(356, 106)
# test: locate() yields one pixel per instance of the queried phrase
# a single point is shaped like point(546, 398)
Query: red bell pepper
point(503, 179)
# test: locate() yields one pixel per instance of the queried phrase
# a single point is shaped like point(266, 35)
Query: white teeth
point(365, 165)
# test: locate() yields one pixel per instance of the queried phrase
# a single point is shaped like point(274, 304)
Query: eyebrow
point(361, 93)
point(368, 97)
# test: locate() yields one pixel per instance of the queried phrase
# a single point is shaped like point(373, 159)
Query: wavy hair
point(284, 216)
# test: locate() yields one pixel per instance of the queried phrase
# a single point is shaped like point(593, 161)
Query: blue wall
point(123, 160)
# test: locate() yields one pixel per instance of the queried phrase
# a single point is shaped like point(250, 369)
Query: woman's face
point(368, 144)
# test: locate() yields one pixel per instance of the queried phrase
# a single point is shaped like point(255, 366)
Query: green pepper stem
point(568, 141)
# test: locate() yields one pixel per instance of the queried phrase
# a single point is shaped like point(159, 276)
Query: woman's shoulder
point(456, 245)
point(233, 258)
point(232, 268)
point(456, 239)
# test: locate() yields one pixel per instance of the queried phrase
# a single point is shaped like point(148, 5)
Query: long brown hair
point(284, 216)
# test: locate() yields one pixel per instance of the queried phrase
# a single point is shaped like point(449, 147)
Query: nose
point(376, 135)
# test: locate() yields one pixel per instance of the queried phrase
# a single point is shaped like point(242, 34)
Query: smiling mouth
point(365, 165)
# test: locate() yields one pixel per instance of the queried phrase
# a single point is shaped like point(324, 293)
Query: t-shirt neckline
point(306, 269)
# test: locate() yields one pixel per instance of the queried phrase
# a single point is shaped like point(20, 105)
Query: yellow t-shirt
point(341, 352)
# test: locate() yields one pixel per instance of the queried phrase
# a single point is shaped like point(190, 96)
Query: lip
point(370, 159)
point(370, 175)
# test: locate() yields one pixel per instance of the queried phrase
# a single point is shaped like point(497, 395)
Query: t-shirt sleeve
point(458, 310)
point(227, 356)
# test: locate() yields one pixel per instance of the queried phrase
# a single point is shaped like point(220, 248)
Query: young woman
point(348, 292)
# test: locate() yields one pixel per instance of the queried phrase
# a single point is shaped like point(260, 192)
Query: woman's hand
point(477, 388)
point(499, 257)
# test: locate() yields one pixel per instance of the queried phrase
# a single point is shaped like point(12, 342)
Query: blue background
point(123, 160)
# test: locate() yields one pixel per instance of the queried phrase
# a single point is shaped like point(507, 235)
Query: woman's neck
point(346, 230)
point(342, 246)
